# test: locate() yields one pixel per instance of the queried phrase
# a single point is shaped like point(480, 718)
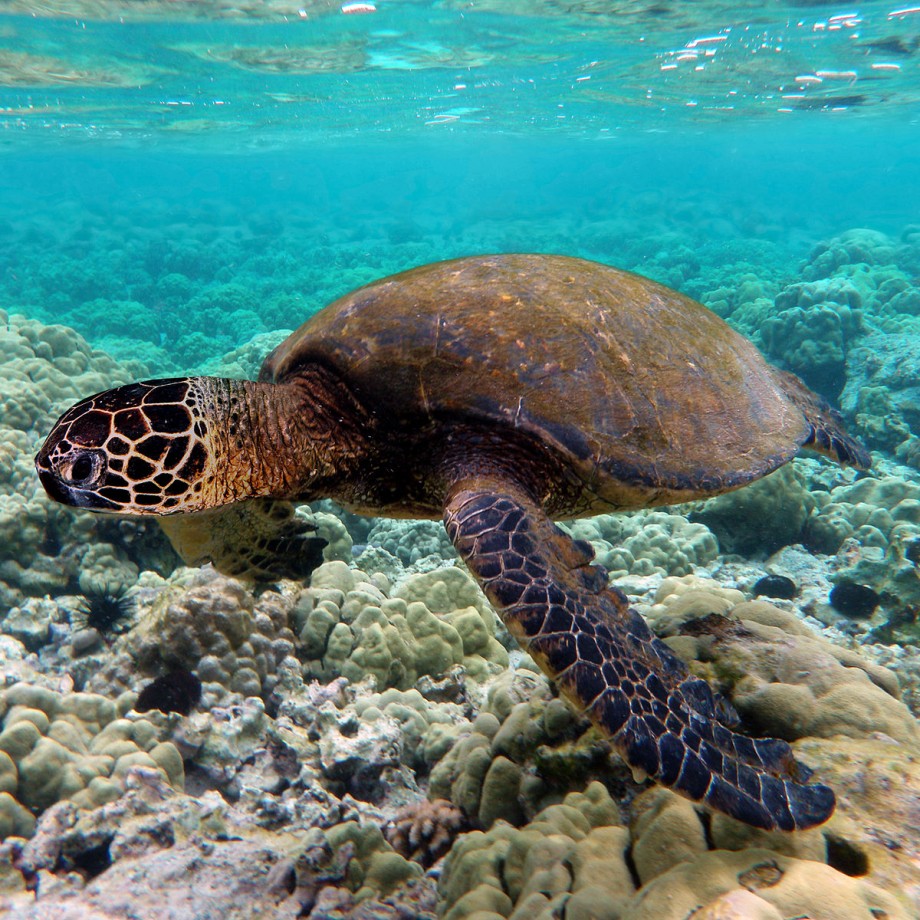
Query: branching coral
point(425, 831)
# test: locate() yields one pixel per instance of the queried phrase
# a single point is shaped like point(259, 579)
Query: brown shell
point(635, 384)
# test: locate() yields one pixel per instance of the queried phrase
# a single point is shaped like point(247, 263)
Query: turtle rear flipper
point(826, 433)
point(262, 539)
point(608, 664)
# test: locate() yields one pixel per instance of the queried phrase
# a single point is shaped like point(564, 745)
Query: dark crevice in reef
point(846, 857)
point(633, 871)
point(93, 860)
point(706, 820)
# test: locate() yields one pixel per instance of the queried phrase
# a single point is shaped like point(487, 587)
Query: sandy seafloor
point(371, 742)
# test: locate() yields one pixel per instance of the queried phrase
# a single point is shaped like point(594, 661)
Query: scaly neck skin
point(275, 440)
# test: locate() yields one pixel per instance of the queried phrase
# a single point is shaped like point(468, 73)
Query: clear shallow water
point(718, 121)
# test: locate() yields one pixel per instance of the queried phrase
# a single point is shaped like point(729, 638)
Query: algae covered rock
point(872, 833)
point(784, 680)
point(780, 885)
point(200, 857)
point(680, 600)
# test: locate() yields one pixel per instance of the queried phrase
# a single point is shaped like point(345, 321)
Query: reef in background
point(374, 744)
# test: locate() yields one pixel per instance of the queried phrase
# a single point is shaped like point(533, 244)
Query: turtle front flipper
point(608, 664)
point(260, 539)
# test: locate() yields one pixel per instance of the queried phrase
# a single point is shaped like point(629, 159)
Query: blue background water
point(299, 151)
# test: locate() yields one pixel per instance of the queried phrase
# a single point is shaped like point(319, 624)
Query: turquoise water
point(91, 222)
point(183, 183)
point(337, 147)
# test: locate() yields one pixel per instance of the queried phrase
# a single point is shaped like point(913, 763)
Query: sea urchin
point(178, 691)
point(104, 608)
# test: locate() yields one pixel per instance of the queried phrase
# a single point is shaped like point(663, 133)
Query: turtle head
point(145, 448)
point(191, 444)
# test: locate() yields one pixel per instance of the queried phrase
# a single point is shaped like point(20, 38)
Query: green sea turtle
point(499, 392)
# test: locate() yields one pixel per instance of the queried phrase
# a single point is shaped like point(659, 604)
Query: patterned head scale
point(137, 449)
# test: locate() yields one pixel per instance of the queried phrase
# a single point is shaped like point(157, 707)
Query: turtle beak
point(69, 495)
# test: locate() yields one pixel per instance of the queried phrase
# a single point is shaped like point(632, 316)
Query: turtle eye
point(83, 469)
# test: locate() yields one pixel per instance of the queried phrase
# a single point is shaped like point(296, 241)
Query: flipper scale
point(608, 664)
point(262, 539)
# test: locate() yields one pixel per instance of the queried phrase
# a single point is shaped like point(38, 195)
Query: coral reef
point(811, 329)
point(413, 543)
point(873, 527)
point(521, 751)
point(75, 746)
point(45, 549)
point(201, 858)
point(425, 831)
point(351, 733)
point(860, 246)
point(761, 518)
point(573, 853)
point(647, 543)
point(883, 392)
point(350, 627)
point(235, 643)
point(516, 756)
point(783, 679)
